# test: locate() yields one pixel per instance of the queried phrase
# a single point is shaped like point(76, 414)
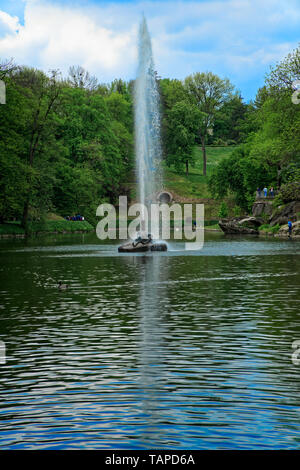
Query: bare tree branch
point(80, 78)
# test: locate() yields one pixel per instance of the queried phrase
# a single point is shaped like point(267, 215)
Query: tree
point(275, 143)
point(172, 91)
point(96, 131)
point(62, 147)
point(6, 68)
point(42, 91)
point(183, 121)
point(271, 154)
point(229, 121)
point(120, 108)
point(241, 175)
point(24, 123)
point(13, 183)
point(285, 72)
point(208, 92)
point(119, 86)
point(80, 78)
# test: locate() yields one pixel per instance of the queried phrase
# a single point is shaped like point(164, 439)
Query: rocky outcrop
point(285, 213)
point(240, 226)
point(284, 231)
point(262, 206)
point(252, 222)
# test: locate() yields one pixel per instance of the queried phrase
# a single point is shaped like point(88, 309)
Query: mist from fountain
point(148, 148)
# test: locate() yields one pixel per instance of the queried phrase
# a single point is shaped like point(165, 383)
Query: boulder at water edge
point(242, 226)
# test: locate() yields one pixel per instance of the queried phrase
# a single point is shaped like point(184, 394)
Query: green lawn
point(60, 226)
point(11, 228)
point(195, 185)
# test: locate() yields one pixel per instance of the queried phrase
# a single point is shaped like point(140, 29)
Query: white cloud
point(234, 38)
point(8, 24)
point(57, 37)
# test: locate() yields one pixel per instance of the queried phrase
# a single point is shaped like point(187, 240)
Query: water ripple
point(150, 352)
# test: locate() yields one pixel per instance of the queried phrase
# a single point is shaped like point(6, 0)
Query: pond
point(175, 350)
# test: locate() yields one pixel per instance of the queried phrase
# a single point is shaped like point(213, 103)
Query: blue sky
point(238, 39)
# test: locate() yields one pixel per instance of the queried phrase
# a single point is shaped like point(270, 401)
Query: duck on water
point(62, 286)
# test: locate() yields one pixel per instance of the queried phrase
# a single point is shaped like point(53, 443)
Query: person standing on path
point(290, 225)
point(265, 191)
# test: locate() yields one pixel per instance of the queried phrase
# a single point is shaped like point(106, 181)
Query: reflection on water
point(152, 358)
point(162, 351)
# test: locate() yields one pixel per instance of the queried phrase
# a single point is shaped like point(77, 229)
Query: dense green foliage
point(290, 192)
point(195, 185)
point(63, 147)
point(241, 174)
point(223, 212)
point(67, 145)
point(268, 229)
point(229, 121)
point(202, 109)
point(183, 122)
point(59, 226)
point(208, 92)
point(270, 154)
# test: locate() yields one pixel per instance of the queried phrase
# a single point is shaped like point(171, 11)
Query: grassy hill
point(195, 185)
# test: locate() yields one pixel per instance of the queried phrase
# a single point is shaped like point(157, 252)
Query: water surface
point(176, 350)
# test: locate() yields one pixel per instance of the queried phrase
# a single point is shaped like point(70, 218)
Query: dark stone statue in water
point(143, 242)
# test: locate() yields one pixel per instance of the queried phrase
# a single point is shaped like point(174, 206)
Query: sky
point(236, 39)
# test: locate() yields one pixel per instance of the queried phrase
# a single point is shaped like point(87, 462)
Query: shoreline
point(7, 236)
point(66, 232)
point(41, 233)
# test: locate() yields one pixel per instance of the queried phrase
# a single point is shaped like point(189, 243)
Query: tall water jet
point(147, 122)
point(147, 144)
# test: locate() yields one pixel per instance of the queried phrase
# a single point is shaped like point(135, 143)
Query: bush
point(220, 142)
point(60, 226)
point(277, 201)
point(290, 173)
point(275, 228)
point(11, 228)
point(268, 228)
point(223, 212)
point(264, 228)
point(290, 191)
point(237, 211)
